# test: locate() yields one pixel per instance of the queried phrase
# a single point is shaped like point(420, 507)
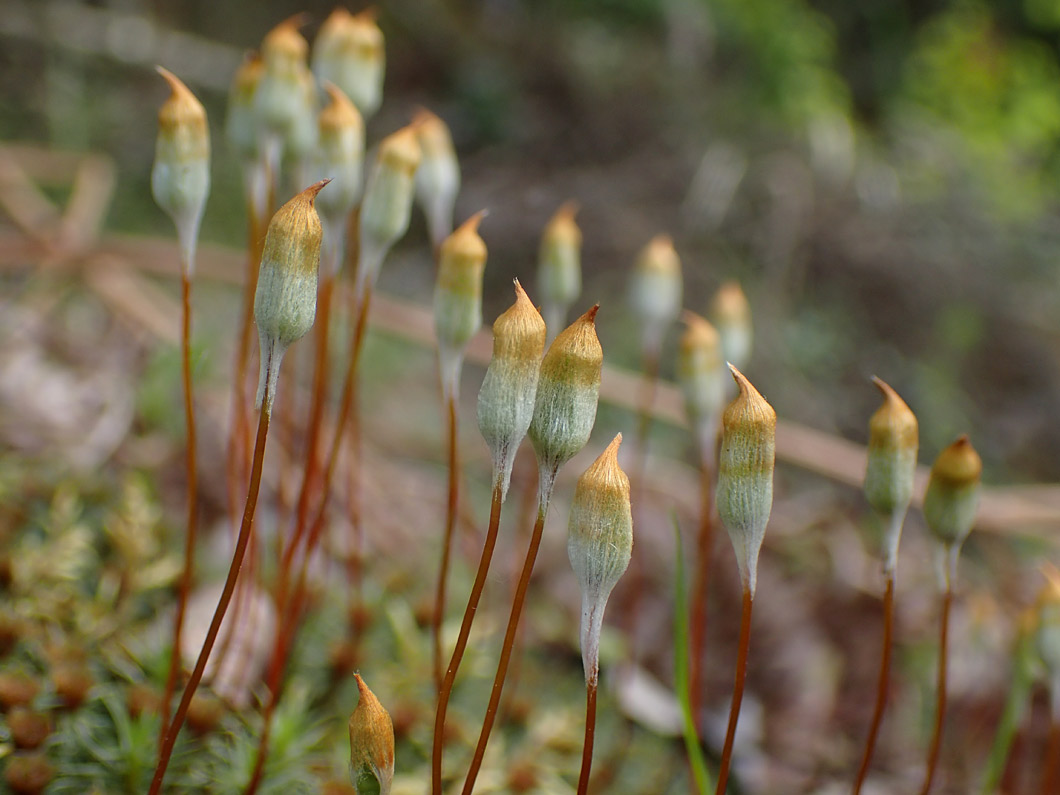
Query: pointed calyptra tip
point(562, 228)
point(371, 744)
point(401, 150)
point(699, 332)
point(182, 109)
point(590, 316)
point(730, 304)
point(340, 111)
point(310, 193)
point(659, 256)
point(369, 16)
point(286, 38)
point(745, 474)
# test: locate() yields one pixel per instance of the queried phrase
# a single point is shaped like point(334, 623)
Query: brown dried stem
point(940, 707)
point(883, 684)
point(737, 690)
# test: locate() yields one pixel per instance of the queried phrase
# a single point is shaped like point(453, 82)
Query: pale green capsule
point(506, 399)
point(438, 176)
point(731, 315)
point(952, 496)
point(286, 298)
point(458, 297)
point(599, 545)
point(655, 290)
point(745, 474)
point(892, 451)
point(349, 52)
point(559, 270)
point(180, 177)
point(387, 205)
point(568, 391)
point(701, 374)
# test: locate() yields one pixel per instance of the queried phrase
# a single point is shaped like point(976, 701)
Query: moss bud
point(286, 297)
point(387, 204)
point(371, 744)
point(599, 544)
point(701, 374)
point(180, 177)
point(280, 97)
point(568, 390)
point(732, 318)
point(349, 51)
point(655, 290)
point(506, 399)
point(745, 474)
point(893, 440)
point(438, 177)
point(952, 499)
point(241, 121)
point(458, 298)
point(559, 274)
point(339, 155)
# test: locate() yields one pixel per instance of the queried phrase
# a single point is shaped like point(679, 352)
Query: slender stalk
point(940, 707)
point(347, 405)
point(237, 452)
point(192, 497)
point(222, 606)
point(700, 778)
point(1051, 772)
point(590, 733)
point(1011, 715)
point(700, 591)
point(883, 684)
point(461, 642)
point(316, 413)
point(447, 539)
point(545, 492)
point(737, 690)
point(649, 386)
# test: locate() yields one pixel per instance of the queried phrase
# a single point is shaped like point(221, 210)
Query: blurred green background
point(880, 175)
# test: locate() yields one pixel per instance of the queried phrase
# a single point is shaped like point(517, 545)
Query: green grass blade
point(696, 757)
point(1015, 706)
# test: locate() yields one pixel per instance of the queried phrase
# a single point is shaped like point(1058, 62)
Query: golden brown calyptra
point(371, 744)
point(506, 399)
point(285, 301)
point(745, 474)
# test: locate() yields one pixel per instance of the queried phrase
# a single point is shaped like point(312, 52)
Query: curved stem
point(222, 606)
point(590, 733)
point(239, 433)
point(1051, 773)
point(316, 413)
point(700, 591)
point(882, 685)
point(461, 642)
point(545, 490)
point(638, 469)
point(940, 707)
point(447, 539)
point(192, 497)
point(737, 690)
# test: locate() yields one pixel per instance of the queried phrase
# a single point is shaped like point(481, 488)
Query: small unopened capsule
point(893, 442)
point(655, 290)
point(349, 52)
point(745, 474)
point(701, 374)
point(286, 298)
point(180, 178)
point(731, 314)
point(458, 297)
point(952, 499)
point(506, 399)
point(371, 745)
point(559, 270)
point(438, 177)
point(599, 545)
point(568, 391)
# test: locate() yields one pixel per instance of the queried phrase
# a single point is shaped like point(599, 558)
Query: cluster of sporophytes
point(296, 116)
